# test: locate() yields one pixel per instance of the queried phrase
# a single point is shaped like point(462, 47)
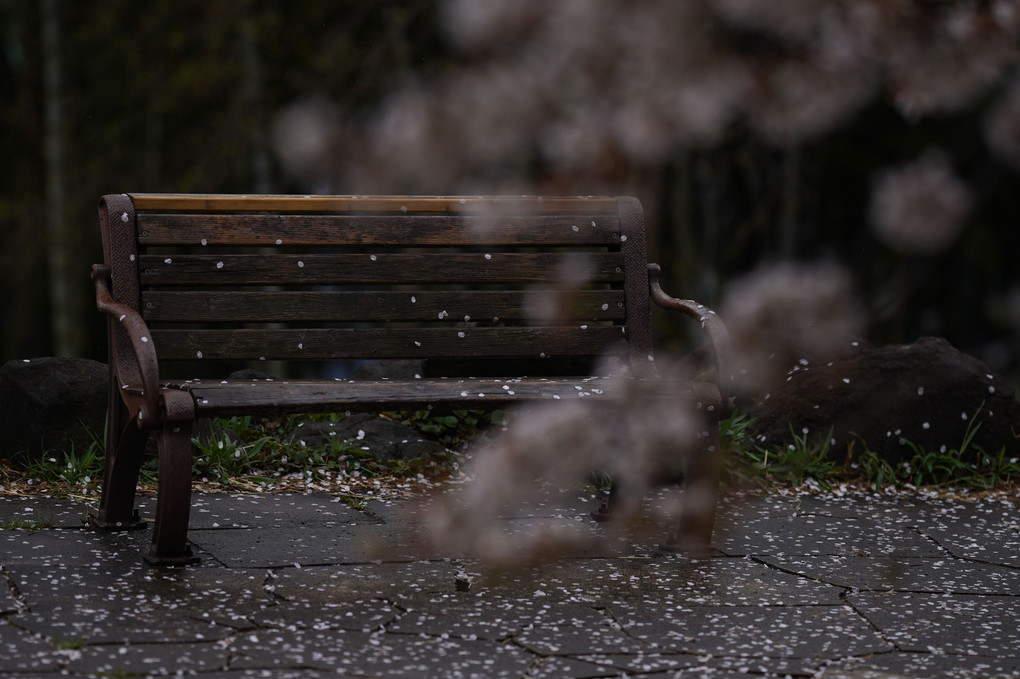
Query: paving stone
point(390, 655)
point(945, 623)
point(738, 508)
point(9, 602)
point(143, 659)
point(717, 673)
point(43, 512)
point(224, 597)
point(275, 673)
point(400, 582)
point(891, 665)
point(945, 574)
point(24, 652)
point(554, 667)
point(859, 673)
point(286, 529)
point(358, 615)
point(804, 595)
point(323, 649)
point(285, 546)
point(137, 604)
point(987, 532)
point(467, 615)
point(74, 623)
point(668, 580)
point(897, 508)
point(230, 510)
point(818, 534)
point(706, 664)
point(401, 656)
point(62, 547)
point(575, 629)
point(783, 631)
point(646, 662)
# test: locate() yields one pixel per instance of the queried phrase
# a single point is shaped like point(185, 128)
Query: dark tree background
point(161, 96)
point(271, 96)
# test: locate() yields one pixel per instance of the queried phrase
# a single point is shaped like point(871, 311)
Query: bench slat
point(367, 230)
point(296, 396)
point(314, 306)
point(381, 268)
point(399, 268)
point(370, 343)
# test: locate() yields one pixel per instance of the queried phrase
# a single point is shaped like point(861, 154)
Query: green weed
point(875, 470)
point(28, 524)
point(70, 644)
point(995, 469)
point(74, 470)
point(748, 462)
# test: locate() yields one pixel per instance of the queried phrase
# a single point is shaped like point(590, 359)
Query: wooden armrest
point(713, 326)
point(145, 364)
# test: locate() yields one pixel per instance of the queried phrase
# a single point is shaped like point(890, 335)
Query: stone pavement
point(856, 585)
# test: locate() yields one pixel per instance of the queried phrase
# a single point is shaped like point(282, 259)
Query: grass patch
point(265, 451)
point(259, 454)
point(28, 524)
point(805, 460)
point(255, 453)
point(748, 463)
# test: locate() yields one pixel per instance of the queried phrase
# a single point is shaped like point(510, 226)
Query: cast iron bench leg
point(173, 504)
point(701, 490)
point(125, 443)
point(697, 519)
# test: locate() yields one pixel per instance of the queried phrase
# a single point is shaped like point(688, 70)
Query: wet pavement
point(849, 586)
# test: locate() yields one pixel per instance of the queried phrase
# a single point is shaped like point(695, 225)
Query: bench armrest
point(713, 326)
point(145, 365)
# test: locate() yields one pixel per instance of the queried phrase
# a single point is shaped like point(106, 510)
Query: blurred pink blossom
point(940, 64)
point(781, 315)
point(1002, 127)
point(641, 438)
point(920, 208)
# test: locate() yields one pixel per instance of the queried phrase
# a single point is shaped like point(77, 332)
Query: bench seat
point(265, 397)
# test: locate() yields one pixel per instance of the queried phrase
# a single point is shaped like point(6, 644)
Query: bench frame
point(140, 403)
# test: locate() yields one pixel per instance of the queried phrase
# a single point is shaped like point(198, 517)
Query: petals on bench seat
point(308, 396)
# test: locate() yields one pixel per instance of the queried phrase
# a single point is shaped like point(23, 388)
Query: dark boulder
point(926, 393)
point(50, 405)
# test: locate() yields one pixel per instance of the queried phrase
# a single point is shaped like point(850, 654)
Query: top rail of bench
point(397, 204)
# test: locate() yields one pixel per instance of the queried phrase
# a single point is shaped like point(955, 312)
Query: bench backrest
point(255, 278)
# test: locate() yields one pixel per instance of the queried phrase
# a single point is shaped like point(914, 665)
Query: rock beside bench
point(927, 393)
point(51, 404)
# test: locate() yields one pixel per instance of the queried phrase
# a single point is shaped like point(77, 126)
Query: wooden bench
point(192, 283)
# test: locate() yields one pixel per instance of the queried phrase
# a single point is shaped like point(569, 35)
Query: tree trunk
point(62, 301)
